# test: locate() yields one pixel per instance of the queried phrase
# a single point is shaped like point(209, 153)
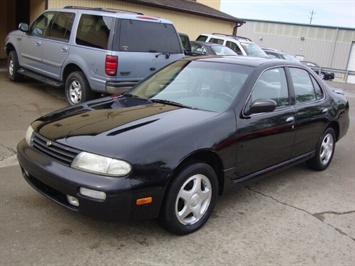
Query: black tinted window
point(272, 84)
point(94, 31)
point(317, 88)
point(61, 26)
point(201, 38)
point(303, 86)
point(215, 40)
point(142, 36)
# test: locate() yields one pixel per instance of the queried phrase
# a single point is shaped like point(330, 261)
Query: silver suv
point(91, 50)
point(240, 45)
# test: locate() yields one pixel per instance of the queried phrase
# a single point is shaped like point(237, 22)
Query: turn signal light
point(143, 201)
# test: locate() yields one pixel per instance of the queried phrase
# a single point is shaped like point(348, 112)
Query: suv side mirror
point(23, 27)
point(261, 106)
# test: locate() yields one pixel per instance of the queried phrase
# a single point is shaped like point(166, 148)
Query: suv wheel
point(77, 88)
point(13, 67)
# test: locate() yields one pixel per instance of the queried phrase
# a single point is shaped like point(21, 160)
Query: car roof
point(206, 43)
point(227, 37)
point(244, 60)
point(118, 13)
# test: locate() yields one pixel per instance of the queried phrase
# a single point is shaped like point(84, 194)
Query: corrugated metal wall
point(329, 47)
point(193, 25)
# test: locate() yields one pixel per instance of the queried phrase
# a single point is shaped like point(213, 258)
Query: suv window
point(40, 25)
point(61, 26)
point(94, 31)
point(201, 38)
point(143, 36)
point(215, 40)
point(234, 47)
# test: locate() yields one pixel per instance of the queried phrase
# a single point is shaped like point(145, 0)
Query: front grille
point(61, 153)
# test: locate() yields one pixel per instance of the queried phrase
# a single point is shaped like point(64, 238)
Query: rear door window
point(94, 31)
point(216, 40)
point(143, 36)
point(304, 86)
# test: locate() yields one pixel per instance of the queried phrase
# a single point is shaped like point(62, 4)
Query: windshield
point(222, 50)
point(253, 50)
point(290, 58)
point(204, 85)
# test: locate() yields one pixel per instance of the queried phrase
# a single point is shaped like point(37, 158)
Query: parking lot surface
point(296, 217)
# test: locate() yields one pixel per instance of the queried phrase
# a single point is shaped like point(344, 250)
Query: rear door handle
point(64, 49)
point(38, 43)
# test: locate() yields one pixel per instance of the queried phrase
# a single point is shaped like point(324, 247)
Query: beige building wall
point(216, 4)
point(192, 25)
point(36, 7)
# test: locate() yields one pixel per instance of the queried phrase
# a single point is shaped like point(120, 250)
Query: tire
point(324, 152)
point(13, 66)
point(190, 199)
point(77, 88)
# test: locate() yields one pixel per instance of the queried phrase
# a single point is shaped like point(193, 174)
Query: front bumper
point(55, 181)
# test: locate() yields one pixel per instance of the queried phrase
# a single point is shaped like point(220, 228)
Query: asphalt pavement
point(296, 217)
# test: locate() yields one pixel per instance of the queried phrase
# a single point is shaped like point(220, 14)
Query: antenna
point(311, 18)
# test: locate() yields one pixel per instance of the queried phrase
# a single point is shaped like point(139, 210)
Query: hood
point(108, 131)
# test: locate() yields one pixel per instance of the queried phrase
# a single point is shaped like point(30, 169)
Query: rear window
point(143, 36)
point(201, 38)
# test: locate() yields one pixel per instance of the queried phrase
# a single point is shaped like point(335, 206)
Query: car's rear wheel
point(324, 152)
point(13, 66)
point(77, 88)
point(190, 199)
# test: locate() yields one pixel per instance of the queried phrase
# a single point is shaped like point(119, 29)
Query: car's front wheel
point(190, 199)
point(77, 88)
point(13, 67)
point(324, 152)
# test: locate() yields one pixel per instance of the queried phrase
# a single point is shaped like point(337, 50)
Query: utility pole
point(311, 18)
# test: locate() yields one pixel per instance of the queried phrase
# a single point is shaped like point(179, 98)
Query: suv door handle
point(38, 43)
point(152, 69)
point(64, 49)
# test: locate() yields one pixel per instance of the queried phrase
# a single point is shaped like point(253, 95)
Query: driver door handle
point(290, 119)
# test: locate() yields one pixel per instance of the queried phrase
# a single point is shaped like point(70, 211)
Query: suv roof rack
point(114, 10)
point(233, 36)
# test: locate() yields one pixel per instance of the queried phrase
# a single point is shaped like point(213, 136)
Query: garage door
point(351, 64)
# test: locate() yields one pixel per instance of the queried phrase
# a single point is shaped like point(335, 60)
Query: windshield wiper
point(172, 103)
point(134, 96)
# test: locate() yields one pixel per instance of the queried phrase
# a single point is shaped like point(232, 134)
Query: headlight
point(100, 164)
point(29, 134)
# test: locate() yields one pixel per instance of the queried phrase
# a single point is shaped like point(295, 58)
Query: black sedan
point(168, 147)
point(208, 48)
point(326, 75)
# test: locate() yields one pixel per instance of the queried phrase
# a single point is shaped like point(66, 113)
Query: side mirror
point(262, 106)
point(23, 27)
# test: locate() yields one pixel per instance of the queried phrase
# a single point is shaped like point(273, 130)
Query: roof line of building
point(297, 24)
point(188, 6)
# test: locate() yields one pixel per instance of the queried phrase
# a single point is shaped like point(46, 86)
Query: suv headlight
point(29, 135)
point(98, 164)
